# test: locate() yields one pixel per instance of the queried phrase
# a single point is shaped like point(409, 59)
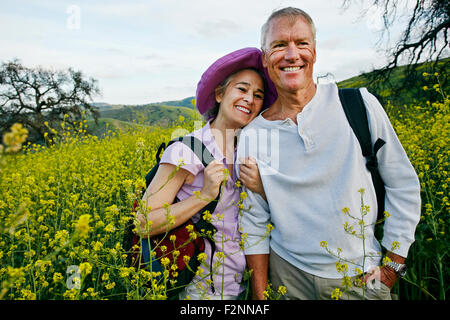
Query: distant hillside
point(105, 124)
point(186, 102)
point(398, 95)
point(106, 106)
point(152, 114)
point(122, 117)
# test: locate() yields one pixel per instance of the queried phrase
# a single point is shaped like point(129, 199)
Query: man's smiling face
point(290, 53)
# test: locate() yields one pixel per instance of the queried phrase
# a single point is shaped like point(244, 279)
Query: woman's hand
point(250, 177)
point(213, 177)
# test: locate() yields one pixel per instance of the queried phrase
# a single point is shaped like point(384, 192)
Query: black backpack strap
point(151, 174)
point(158, 153)
point(206, 158)
point(193, 143)
point(197, 146)
point(355, 111)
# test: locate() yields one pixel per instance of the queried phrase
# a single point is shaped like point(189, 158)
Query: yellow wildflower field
point(64, 208)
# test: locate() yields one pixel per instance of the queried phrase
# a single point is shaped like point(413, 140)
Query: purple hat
point(223, 67)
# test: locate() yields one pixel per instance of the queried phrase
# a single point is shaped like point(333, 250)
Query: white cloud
point(217, 28)
point(143, 51)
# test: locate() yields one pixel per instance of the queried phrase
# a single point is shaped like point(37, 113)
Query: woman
point(230, 94)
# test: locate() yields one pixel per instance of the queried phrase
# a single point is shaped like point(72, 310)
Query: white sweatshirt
point(311, 171)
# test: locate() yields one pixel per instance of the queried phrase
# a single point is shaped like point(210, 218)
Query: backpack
point(355, 111)
point(139, 250)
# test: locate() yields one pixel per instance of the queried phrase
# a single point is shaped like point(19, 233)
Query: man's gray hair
point(288, 12)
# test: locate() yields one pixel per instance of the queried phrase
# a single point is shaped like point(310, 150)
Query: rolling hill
point(121, 117)
point(148, 114)
point(104, 124)
point(397, 94)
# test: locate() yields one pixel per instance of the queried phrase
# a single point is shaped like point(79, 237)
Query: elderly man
point(311, 168)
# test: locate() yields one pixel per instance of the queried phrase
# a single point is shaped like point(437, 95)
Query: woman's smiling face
point(242, 100)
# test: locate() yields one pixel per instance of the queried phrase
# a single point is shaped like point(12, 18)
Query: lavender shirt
point(227, 236)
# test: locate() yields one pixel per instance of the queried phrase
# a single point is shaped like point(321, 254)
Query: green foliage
point(149, 114)
point(400, 91)
point(424, 130)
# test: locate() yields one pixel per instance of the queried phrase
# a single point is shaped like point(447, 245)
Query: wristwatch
point(399, 268)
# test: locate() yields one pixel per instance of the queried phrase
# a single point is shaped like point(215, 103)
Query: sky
point(156, 50)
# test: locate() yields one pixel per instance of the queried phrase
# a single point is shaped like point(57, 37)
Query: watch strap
point(399, 268)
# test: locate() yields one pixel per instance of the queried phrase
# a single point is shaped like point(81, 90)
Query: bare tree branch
point(424, 39)
point(425, 32)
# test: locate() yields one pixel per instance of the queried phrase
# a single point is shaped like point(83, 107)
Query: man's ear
point(264, 58)
point(315, 54)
